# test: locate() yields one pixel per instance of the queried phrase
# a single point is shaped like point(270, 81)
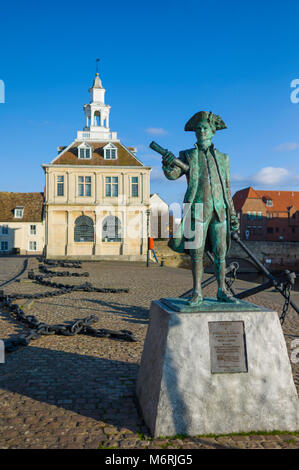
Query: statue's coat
point(196, 189)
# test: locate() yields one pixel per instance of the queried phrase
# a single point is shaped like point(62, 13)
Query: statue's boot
point(196, 297)
point(223, 295)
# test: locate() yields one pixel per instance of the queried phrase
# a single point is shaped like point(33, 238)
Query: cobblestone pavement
point(78, 392)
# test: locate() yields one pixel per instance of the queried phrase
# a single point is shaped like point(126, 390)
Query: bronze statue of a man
point(209, 203)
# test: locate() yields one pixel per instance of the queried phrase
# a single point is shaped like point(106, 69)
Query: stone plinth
point(178, 392)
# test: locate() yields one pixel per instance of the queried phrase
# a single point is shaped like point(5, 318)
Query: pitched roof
point(70, 156)
point(241, 196)
point(158, 197)
point(32, 203)
point(97, 83)
point(282, 200)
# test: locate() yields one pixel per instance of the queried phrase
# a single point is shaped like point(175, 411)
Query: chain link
point(287, 287)
point(233, 276)
point(36, 328)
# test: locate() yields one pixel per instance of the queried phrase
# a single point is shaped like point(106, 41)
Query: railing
point(93, 135)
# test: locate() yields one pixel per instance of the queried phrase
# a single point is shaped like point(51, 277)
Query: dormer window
point(269, 203)
point(84, 151)
point(110, 152)
point(18, 212)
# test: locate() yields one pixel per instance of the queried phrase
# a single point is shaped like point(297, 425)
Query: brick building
point(268, 215)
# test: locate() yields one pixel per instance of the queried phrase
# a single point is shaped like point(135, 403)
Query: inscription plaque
point(227, 347)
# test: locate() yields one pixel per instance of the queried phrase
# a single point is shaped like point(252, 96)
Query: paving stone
point(79, 391)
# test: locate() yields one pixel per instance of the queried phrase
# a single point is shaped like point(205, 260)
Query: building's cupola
point(97, 115)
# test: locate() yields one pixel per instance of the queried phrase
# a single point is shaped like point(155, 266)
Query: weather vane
point(97, 65)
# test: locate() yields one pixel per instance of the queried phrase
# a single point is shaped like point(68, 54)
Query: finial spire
point(97, 67)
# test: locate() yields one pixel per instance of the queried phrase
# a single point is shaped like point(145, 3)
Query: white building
point(96, 193)
point(160, 217)
point(21, 223)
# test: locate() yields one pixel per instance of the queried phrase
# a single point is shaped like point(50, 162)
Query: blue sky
point(161, 62)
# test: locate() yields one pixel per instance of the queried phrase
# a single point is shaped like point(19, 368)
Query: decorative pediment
point(84, 151)
point(110, 151)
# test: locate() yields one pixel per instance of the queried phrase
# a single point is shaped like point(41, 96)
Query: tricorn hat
point(202, 116)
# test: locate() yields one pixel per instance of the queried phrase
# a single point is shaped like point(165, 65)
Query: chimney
point(133, 150)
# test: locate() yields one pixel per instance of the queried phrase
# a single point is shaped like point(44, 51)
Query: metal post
point(148, 213)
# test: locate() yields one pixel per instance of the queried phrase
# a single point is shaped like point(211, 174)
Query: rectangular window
point(248, 215)
point(4, 246)
point(259, 215)
point(111, 186)
point(270, 230)
point(32, 246)
point(19, 212)
point(84, 185)
point(110, 154)
point(4, 229)
point(108, 186)
point(134, 186)
point(254, 215)
point(32, 229)
point(84, 153)
point(60, 185)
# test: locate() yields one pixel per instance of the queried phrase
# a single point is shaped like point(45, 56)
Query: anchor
point(282, 283)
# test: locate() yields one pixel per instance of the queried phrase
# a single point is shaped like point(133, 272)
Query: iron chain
point(36, 328)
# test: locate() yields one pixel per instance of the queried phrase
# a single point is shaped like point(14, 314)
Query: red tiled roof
point(241, 196)
point(32, 203)
point(282, 200)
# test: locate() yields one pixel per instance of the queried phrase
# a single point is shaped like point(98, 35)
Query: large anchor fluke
point(283, 283)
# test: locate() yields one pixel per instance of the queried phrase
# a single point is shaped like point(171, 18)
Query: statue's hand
point(234, 224)
point(167, 160)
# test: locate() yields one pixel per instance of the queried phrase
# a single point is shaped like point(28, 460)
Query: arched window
point(111, 229)
point(84, 231)
point(97, 118)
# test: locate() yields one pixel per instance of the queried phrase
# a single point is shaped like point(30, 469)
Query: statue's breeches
point(216, 232)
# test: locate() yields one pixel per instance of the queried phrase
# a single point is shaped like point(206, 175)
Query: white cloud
point(235, 177)
point(156, 131)
point(270, 175)
point(287, 147)
point(157, 174)
point(266, 177)
point(141, 147)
